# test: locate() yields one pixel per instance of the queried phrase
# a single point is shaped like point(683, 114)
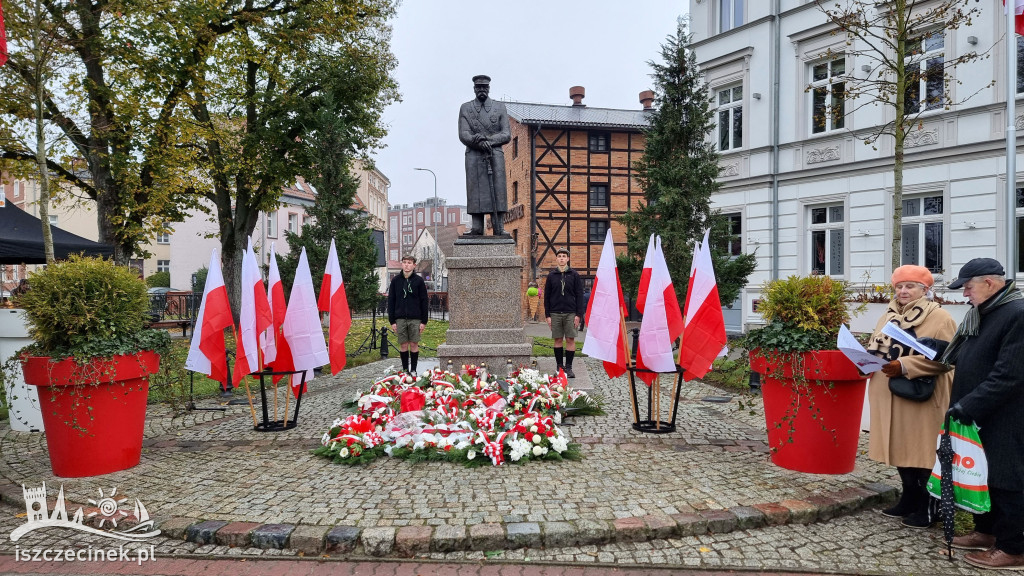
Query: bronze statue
point(483, 128)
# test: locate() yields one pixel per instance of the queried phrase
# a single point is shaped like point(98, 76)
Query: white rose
point(533, 428)
point(471, 454)
point(537, 450)
point(537, 439)
point(558, 418)
point(343, 453)
point(528, 421)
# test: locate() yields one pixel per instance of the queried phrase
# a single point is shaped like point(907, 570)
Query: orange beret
point(912, 273)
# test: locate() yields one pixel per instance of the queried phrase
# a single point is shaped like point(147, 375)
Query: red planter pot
point(95, 428)
point(833, 403)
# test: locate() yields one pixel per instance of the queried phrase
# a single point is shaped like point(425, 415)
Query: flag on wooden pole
point(334, 301)
point(301, 327)
point(207, 353)
point(606, 338)
point(254, 317)
point(704, 329)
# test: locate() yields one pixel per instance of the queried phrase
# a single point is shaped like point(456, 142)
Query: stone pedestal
point(485, 304)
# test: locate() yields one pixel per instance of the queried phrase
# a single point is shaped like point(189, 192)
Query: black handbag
point(916, 389)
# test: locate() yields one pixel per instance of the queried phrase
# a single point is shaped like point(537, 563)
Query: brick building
point(405, 223)
point(570, 175)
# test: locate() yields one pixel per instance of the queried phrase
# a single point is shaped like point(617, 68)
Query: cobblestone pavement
point(713, 474)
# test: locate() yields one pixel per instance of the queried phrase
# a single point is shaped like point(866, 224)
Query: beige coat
point(904, 432)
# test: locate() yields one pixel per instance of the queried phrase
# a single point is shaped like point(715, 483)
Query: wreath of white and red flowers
point(462, 418)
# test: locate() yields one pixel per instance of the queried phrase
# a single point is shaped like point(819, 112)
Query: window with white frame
point(272, 224)
point(163, 265)
point(437, 217)
point(53, 219)
point(730, 118)
point(828, 93)
point(734, 245)
point(419, 218)
point(17, 189)
point(394, 255)
point(922, 231)
point(293, 223)
point(730, 14)
point(163, 238)
point(393, 229)
point(925, 72)
point(827, 239)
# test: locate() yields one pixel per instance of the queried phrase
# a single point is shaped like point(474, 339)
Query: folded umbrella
point(947, 502)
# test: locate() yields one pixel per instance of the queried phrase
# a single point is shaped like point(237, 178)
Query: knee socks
point(405, 361)
point(415, 356)
point(558, 356)
point(568, 358)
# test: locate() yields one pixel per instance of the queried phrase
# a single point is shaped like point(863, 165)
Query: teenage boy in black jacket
point(564, 307)
point(407, 311)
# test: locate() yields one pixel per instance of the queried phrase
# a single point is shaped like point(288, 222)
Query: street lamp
point(437, 265)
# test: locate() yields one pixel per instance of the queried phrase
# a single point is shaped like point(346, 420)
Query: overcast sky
point(533, 50)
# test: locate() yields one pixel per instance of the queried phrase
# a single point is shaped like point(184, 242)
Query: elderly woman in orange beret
point(903, 431)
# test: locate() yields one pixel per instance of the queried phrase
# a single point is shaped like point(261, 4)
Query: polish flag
point(606, 338)
point(645, 277)
point(1018, 16)
point(3, 37)
point(334, 301)
point(207, 353)
point(662, 322)
point(301, 327)
point(254, 317)
point(704, 333)
point(269, 339)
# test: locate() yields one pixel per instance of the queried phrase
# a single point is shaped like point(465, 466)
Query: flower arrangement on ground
point(442, 416)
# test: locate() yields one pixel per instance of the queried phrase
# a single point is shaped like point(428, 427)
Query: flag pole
point(657, 401)
point(1011, 140)
point(625, 346)
point(287, 398)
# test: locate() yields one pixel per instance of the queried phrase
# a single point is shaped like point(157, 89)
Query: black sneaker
point(570, 373)
point(900, 510)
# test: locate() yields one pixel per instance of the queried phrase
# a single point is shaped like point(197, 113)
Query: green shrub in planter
point(802, 313)
point(86, 308)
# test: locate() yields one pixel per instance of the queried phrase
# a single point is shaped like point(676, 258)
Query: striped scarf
point(972, 321)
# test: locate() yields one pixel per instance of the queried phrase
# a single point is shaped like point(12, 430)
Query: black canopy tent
point(21, 239)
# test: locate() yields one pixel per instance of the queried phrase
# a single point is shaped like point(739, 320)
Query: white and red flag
point(3, 37)
point(334, 301)
point(301, 327)
point(254, 317)
point(662, 322)
point(645, 277)
point(606, 336)
point(207, 353)
point(271, 339)
point(704, 329)
point(1018, 16)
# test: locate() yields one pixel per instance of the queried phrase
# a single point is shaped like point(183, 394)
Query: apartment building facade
point(805, 193)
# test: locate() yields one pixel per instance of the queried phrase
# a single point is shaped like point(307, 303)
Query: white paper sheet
point(896, 333)
point(851, 348)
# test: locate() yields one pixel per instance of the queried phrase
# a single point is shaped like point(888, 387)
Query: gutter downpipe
point(774, 71)
point(533, 202)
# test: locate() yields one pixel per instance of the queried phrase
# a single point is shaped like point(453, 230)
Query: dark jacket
point(407, 301)
point(989, 384)
point(564, 300)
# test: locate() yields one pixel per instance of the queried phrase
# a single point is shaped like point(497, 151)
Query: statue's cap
point(482, 79)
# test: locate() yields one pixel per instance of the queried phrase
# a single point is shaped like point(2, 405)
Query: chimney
point(577, 93)
point(647, 99)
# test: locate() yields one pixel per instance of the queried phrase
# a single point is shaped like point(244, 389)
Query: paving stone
point(236, 534)
point(175, 527)
point(594, 531)
point(559, 534)
point(412, 540)
point(308, 539)
point(774, 513)
point(800, 511)
point(690, 523)
point(660, 525)
point(748, 517)
point(203, 532)
point(828, 507)
point(523, 534)
point(884, 494)
point(853, 498)
point(378, 541)
point(449, 538)
point(629, 529)
point(720, 521)
point(272, 536)
point(342, 539)
point(487, 537)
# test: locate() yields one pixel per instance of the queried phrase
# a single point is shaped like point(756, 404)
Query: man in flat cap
point(483, 128)
point(988, 388)
point(564, 307)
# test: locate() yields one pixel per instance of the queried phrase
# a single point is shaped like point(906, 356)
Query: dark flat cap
point(562, 251)
point(481, 79)
point(978, 267)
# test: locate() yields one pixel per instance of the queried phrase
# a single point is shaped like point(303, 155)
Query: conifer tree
point(678, 174)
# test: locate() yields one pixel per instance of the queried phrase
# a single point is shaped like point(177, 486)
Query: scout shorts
point(408, 330)
point(562, 325)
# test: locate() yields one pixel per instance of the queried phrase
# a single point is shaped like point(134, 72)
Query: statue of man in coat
point(483, 128)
